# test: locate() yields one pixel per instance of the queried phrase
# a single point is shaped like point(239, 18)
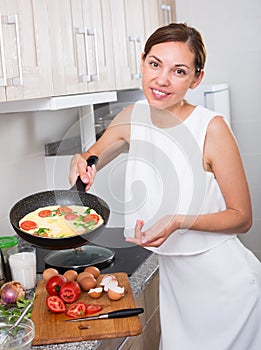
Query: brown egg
point(93, 270)
point(88, 283)
point(83, 275)
point(95, 293)
point(70, 275)
point(50, 272)
point(115, 293)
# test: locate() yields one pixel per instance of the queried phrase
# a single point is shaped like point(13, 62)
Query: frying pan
point(73, 196)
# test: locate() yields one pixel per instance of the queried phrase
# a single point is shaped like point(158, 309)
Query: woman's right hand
point(78, 167)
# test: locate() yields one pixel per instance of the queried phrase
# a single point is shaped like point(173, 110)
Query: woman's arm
point(222, 157)
point(114, 140)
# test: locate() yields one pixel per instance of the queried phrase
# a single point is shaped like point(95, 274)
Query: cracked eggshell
point(108, 280)
point(95, 293)
point(115, 292)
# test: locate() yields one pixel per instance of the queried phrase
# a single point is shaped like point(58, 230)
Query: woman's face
point(168, 71)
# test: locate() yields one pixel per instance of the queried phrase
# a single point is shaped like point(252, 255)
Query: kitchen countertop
point(138, 281)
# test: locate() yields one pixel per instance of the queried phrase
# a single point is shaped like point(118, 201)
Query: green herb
point(42, 230)
point(87, 226)
point(12, 312)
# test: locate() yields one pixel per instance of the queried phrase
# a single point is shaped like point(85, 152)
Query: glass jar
point(8, 245)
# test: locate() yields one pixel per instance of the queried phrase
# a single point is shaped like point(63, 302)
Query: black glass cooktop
point(126, 257)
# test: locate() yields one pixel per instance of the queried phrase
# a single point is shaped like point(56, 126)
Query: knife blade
point(113, 314)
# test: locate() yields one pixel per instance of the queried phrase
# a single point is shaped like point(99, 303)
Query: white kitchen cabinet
point(82, 57)
point(25, 59)
point(67, 47)
point(128, 41)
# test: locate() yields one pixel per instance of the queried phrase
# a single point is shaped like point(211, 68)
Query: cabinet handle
point(85, 77)
point(3, 78)
point(166, 13)
point(17, 80)
point(95, 77)
point(169, 14)
point(90, 77)
point(137, 74)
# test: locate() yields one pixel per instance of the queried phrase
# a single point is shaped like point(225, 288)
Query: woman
point(187, 198)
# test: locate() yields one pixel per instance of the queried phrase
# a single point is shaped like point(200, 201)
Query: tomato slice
point(71, 216)
point(55, 304)
point(78, 309)
point(70, 291)
point(91, 218)
point(28, 225)
point(93, 309)
point(45, 213)
point(63, 210)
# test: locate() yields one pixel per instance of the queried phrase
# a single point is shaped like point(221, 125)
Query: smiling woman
point(182, 201)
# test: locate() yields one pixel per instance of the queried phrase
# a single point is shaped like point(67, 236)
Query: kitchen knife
point(113, 314)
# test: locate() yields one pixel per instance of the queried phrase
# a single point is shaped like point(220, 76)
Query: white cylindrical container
point(23, 267)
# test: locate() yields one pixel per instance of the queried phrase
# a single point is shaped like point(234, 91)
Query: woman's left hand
point(157, 234)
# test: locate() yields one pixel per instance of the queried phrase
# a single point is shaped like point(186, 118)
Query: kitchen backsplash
point(22, 159)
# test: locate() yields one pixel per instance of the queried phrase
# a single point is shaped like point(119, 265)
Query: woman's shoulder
point(218, 125)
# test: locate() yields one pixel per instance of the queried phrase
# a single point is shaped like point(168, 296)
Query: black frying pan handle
point(79, 185)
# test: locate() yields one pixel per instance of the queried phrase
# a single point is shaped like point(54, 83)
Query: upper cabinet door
point(82, 58)
point(152, 16)
point(25, 61)
point(128, 41)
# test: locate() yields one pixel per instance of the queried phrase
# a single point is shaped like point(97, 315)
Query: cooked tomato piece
point(28, 225)
point(78, 309)
point(55, 304)
point(93, 309)
point(54, 284)
point(91, 218)
point(70, 291)
point(71, 216)
point(63, 210)
point(45, 213)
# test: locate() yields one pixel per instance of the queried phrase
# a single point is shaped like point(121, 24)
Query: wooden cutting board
point(50, 328)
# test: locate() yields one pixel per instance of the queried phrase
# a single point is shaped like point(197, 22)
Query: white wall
point(22, 166)
point(231, 30)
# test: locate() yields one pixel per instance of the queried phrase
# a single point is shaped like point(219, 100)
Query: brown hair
point(182, 33)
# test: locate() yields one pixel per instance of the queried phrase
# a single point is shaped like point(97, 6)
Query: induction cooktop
point(127, 257)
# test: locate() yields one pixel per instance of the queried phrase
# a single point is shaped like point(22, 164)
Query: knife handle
point(125, 313)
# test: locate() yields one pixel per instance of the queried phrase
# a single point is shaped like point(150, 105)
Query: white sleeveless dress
point(210, 284)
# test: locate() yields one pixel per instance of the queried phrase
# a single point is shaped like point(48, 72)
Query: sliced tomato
point(71, 216)
point(63, 210)
point(78, 309)
point(70, 291)
point(91, 218)
point(55, 304)
point(93, 309)
point(54, 284)
point(45, 213)
point(28, 225)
